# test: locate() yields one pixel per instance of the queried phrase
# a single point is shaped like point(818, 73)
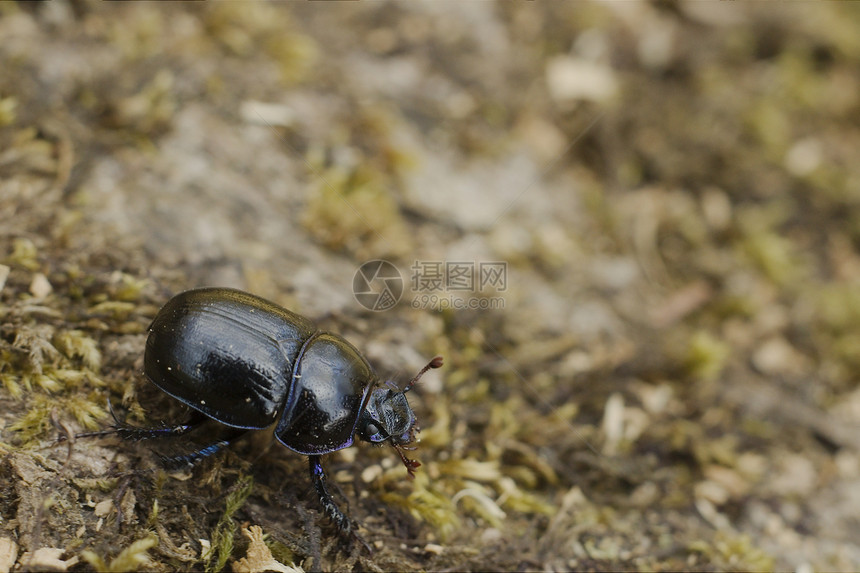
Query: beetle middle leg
point(191, 458)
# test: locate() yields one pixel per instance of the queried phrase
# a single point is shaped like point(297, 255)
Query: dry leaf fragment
point(8, 554)
point(103, 508)
point(259, 558)
point(47, 558)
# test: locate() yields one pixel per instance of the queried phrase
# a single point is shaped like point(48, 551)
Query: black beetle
point(248, 363)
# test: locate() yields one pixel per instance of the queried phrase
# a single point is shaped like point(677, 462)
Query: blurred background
point(667, 378)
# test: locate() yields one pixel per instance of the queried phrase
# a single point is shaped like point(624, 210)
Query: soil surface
point(631, 229)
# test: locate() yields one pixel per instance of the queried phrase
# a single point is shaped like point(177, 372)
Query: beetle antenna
point(435, 363)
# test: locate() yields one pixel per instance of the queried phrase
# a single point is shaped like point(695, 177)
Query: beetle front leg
point(344, 524)
point(331, 509)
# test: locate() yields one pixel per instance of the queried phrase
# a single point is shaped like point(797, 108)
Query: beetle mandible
point(247, 363)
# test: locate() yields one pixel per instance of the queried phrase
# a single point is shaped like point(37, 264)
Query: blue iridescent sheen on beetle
point(248, 363)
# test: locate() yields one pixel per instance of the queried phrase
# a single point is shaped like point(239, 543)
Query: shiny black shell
point(245, 361)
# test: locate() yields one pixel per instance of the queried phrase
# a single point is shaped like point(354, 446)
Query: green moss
point(45, 382)
point(430, 504)
point(36, 421)
point(351, 210)
point(837, 306)
point(706, 355)
point(10, 383)
point(139, 38)
point(130, 288)
point(104, 485)
point(775, 255)
point(295, 54)
point(770, 124)
point(115, 309)
point(439, 434)
point(24, 254)
point(482, 471)
point(521, 500)
point(75, 379)
point(733, 552)
point(765, 244)
point(152, 518)
point(8, 107)
point(225, 531)
point(86, 411)
point(75, 344)
point(150, 109)
point(245, 30)
point(721, 450)
point(52, 369)
point(280, 552)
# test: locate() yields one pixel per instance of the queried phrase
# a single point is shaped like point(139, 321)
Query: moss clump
point(352, 211)
point(706, 356)
point(36, 421)
point(733, 552)
point(51, 368)
point(131, 558)
point(24, 254)
point(8, 106)
point(246, 30)
point(75, 344)
point(429, 503)
point(225, 531)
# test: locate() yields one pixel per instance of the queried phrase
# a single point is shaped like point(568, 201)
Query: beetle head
point(389, 417)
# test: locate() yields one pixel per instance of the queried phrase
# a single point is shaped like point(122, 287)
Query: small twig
point(67, 434)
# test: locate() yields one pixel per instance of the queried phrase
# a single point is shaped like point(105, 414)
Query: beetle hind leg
point(135, 434)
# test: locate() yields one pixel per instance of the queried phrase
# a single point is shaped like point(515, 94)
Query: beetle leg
point(408, 462)
point(191, 458)
point(135, 434)
point(331, 509)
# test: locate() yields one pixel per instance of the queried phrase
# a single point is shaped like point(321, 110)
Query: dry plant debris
point(670, 384)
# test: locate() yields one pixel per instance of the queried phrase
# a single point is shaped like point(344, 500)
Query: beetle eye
point(371, 429)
